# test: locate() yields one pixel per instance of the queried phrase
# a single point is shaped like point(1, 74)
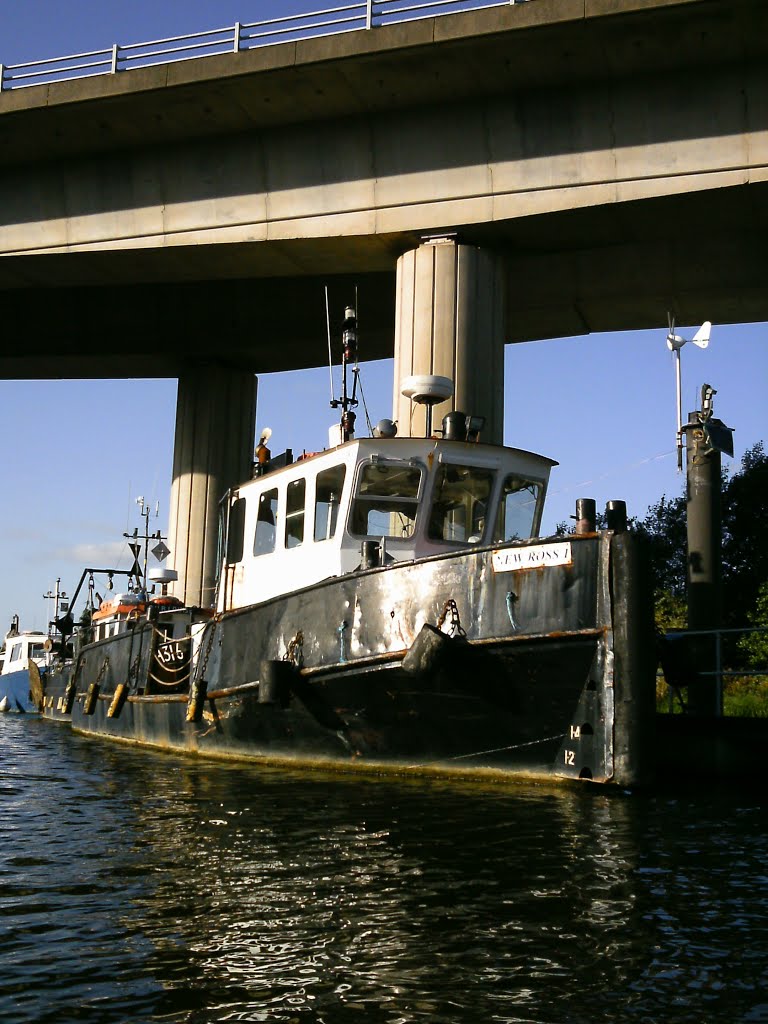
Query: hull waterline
point(540, 672)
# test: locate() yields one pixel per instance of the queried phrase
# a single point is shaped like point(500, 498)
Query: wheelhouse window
point(328, 488)
point(517, 509)
point(460, 504)
point(387, 500)
point(16, 652)
point(294, 513)
point(236, 531)
point(266, 523)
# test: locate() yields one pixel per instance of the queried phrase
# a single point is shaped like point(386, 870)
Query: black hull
point(553, 677)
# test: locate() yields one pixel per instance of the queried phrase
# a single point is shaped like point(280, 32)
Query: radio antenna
point(328, 332)
point(347, 402)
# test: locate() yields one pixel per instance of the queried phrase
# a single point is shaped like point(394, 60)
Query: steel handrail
point(165, 50)
point(304, 14)
point(56, 60)
point(674, 634)
point(364, 15)
point(283, 31)
point(718, 672)
point(73, 67)
point(178, 39)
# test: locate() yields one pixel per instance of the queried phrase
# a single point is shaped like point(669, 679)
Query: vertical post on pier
point(704, 526)
point(369, 14)
point(213, 451)
point(2, 76)
point(113, 69)
point(449, 321)
point(634, 661)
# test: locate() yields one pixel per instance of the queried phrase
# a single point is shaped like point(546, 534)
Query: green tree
point(664, 528)
point(755, 645)
point(670, 611)
point(745, 538)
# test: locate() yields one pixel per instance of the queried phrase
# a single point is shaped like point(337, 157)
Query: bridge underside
point(608, 157)
point(154, 312)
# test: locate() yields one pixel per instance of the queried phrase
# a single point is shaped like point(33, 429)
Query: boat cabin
point(372, 501)
point(22, 647)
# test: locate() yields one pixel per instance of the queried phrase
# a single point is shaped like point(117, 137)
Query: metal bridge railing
point(365, 15)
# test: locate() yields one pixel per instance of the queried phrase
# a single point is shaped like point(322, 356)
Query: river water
point(143, 887)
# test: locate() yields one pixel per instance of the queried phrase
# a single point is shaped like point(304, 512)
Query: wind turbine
point(674, 344)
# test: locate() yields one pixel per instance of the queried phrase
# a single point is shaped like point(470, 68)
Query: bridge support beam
point(450, 321)
point(213, 450)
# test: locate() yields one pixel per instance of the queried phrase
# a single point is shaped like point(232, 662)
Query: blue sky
point(602, 405)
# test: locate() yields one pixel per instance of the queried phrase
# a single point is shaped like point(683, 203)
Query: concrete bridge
point(576, 165)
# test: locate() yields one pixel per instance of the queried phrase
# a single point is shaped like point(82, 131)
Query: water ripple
point(138, 887)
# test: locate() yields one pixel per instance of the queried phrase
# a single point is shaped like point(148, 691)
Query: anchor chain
point(450, 614)
point(202, 666)
point(102, 671)
point(92, 693)
point(198, 687)
point(295, 650)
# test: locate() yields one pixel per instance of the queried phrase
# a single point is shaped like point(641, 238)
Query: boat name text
point(532, 557)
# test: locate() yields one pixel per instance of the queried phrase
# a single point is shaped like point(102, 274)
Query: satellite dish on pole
point(674, 344)
point(427, 389)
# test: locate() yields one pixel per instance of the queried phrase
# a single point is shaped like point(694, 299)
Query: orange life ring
point(109, 610)
point(167, 601)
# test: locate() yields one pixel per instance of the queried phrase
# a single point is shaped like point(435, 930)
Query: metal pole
point(704, 568)
point(2, 76)
point(114, 59)
point(236, 45)
point(679, 434)
point(369, 14)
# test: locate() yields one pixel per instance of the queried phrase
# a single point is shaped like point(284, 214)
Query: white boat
point(23, 658)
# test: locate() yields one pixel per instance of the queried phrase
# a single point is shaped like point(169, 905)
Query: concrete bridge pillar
point(449, 320)
point(213, 450)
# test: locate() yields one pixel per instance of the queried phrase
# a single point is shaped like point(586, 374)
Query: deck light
point(474, 425)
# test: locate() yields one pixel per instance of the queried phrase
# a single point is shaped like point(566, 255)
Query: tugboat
point(386, 604)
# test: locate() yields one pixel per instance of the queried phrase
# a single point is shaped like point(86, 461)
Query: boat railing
point(352, 17)
point(714, 658)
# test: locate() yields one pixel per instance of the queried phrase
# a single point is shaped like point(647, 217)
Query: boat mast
point(347, 402)
point(60, 605)
point(139, 542)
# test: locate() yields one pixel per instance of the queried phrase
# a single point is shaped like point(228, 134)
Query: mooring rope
point(495, 750)
point(613, 471)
